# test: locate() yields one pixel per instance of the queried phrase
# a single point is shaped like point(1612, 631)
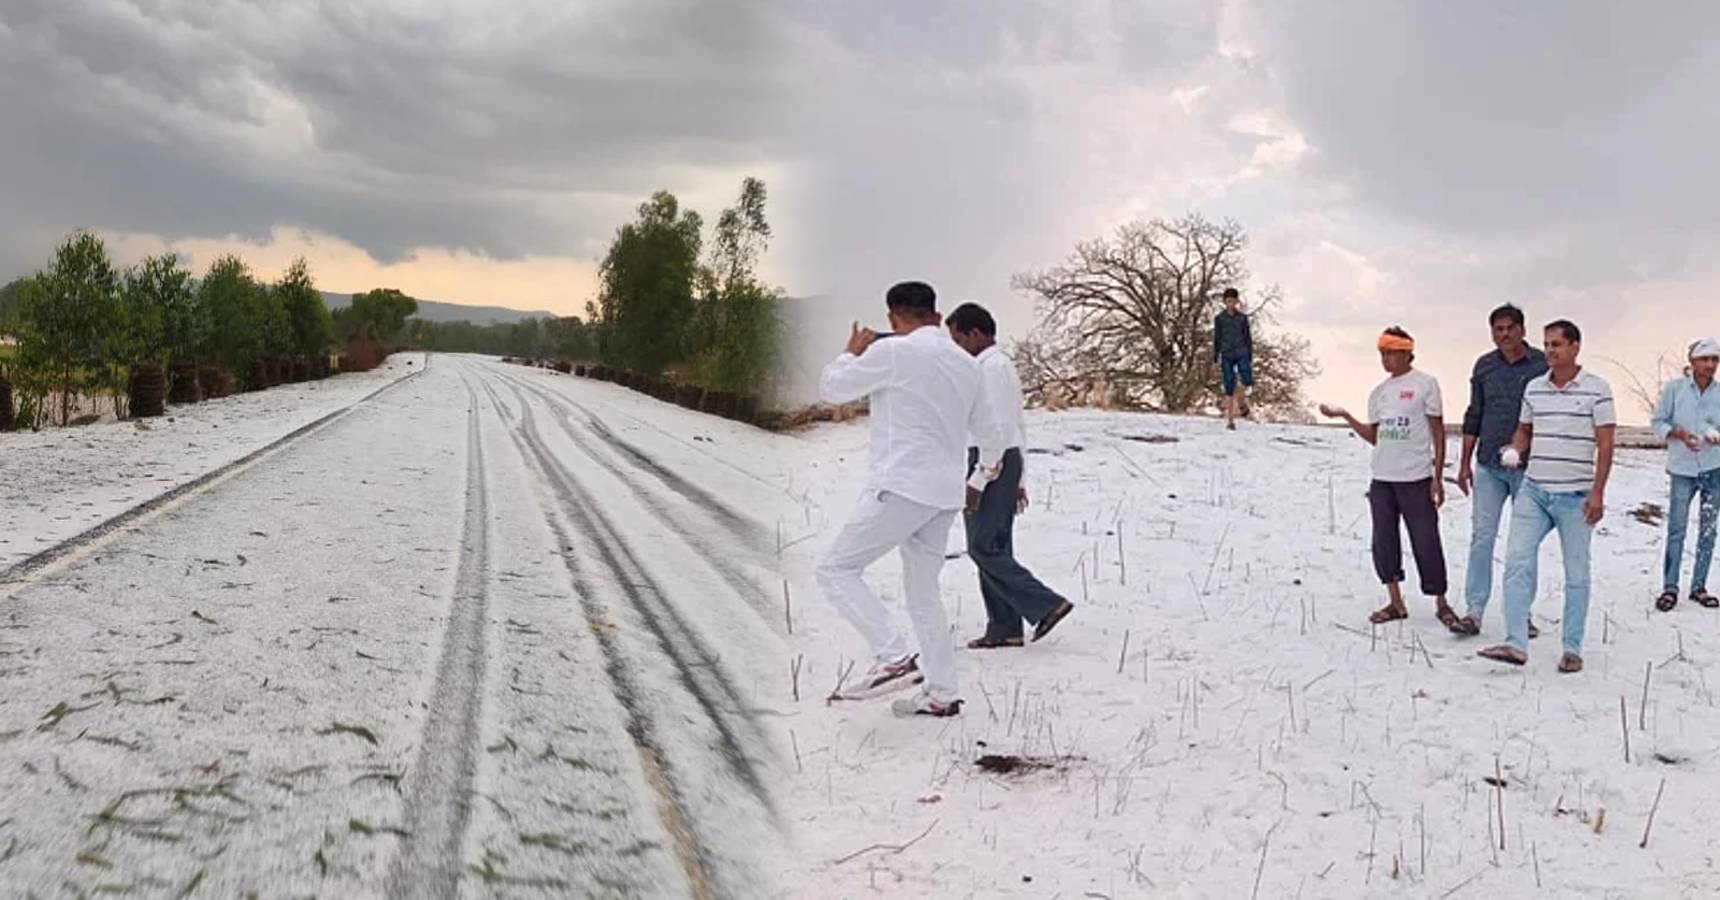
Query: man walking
point(1688, 420)
point(1406, 426)
point(925, 398)
point(1568, 414)
point(1010, 591)
point(1233, 346)
point(1495, 400)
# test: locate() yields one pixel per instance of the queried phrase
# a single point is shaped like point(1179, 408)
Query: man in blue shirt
point(1495, 400)
point(1688, 420)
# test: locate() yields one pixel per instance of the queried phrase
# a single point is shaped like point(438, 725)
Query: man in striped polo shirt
point(1568, 414)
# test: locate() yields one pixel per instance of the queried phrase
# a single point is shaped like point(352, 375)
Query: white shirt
point(925, 396)
point(1002, 390)
point(1565, 419)
point(1403, 444)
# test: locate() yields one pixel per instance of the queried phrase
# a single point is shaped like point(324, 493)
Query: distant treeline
point(154, 333)
point(566, 338)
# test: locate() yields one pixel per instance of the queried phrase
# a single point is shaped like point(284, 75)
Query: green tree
point(379, 314)
point(738, 325)
point(9, 299)
point(237, 315)
point(70, 319)
point(646, 284)
point(310, 328)
point(159, 311)
point(171, 289)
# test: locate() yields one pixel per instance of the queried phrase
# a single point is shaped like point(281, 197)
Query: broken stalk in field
point(1652, 810)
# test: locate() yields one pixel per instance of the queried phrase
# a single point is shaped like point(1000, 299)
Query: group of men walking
point(947, 435)
point(1539, 431)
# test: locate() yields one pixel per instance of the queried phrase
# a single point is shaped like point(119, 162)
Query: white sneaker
point(924, 705)
point(882, 679)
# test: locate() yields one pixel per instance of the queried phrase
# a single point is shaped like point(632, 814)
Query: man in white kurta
point(925, 397)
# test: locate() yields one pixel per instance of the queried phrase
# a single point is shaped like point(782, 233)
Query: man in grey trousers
point(1011, 592)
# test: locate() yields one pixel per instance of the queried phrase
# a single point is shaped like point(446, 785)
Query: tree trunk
point(147, 391)
point(7, 419)
point(184, 387)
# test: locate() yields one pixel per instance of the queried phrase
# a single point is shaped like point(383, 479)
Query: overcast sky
point(1394, 163)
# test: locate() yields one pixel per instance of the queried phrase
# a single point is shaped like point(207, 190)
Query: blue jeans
point(1493, 486)
point(1684, 489)
point(1536, 513)
point(1234, 367)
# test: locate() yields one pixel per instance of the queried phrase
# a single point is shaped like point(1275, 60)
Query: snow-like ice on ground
point(1219, 713)
point(59, 482)
point(1227, 715)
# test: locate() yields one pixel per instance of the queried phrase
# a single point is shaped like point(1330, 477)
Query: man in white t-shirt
point(1406, 426)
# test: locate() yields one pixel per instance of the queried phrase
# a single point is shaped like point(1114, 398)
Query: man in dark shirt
point(1495, 402)
point(1233, 346)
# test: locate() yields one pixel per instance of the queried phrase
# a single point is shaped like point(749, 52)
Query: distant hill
point(435, 311)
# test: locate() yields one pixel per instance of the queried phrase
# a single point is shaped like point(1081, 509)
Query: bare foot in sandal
point(991, 643)
point(1388, 613)
point(1668, 599)
point(1504, 653)
point(1464, 627)
point(1704, 599)
point(1570, 662)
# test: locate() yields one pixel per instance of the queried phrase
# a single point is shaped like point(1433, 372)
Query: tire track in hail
point(714, 458)
point(438, 806)
point(738, 580)
point(664, 627)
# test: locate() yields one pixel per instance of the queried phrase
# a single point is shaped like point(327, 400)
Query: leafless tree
point(1134, 312)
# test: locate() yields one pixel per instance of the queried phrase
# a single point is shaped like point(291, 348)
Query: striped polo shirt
point(1565, 419)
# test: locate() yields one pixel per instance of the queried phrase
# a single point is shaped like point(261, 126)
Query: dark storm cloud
point(1482, 117)
point(510, 129)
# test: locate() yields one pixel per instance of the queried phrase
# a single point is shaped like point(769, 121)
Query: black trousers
point(1409, 502)
point(1011, 592)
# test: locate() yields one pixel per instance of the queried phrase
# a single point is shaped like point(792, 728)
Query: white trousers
point(880, 523)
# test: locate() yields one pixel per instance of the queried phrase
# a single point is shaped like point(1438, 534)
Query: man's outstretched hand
point(859, 339)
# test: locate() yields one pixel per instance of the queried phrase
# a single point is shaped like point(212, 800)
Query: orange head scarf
point(1393, 342)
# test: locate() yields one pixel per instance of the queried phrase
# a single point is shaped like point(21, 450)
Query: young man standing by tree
point(1233, 345)
point(1406, 426)
point(1687, 419)
point(1011, 592)
point(1495, 400)
point(1568, 413)
point(925, 396)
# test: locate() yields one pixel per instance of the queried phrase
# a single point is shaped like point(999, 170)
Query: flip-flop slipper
point(1504, 653)
point(1667, 600)
point(1387, 614)
point(1050, 621)
point(1705, 600)
point(991, 643)
point(1465, 626)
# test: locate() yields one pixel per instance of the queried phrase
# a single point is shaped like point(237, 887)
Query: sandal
point(1704, 599)
point(1051, 619)
point(991, 643)
point(1464, 627)
point(1570, 662)
point(1447, 617)
point(1388, 614)
point(1504, 653)
point(1668, 599)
